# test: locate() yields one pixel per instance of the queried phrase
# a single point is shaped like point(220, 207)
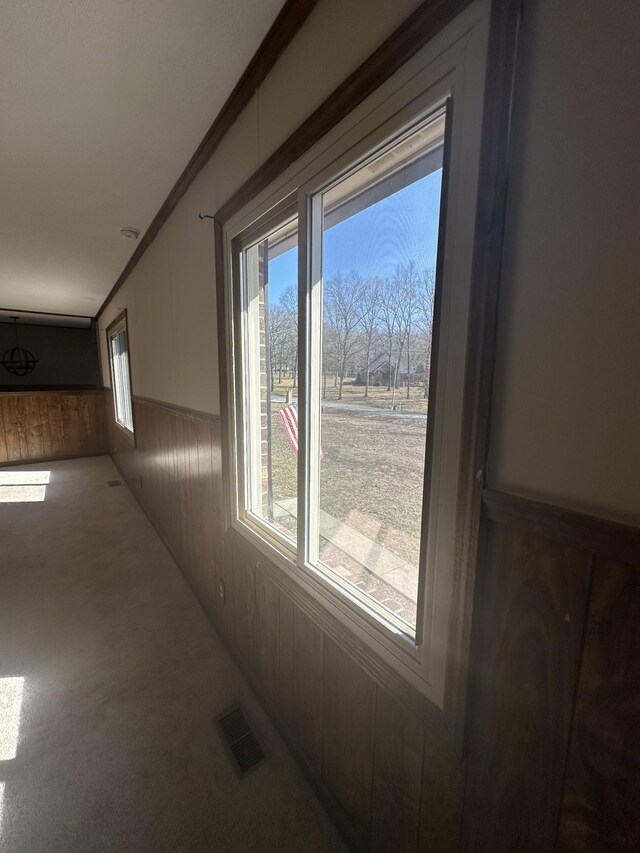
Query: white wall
point(170, 296)
point(566, 414)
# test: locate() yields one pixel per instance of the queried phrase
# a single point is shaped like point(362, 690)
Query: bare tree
point(389, 321)
point(370, 320)
point(409, 292)
point(278, 340)
point(342, 307)
point(289, 303)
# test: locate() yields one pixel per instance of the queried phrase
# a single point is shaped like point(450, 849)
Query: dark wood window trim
point(130, 434)
point(422, 26)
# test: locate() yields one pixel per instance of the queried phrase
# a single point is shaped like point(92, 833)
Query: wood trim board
point(607, 539)
point(194, 415)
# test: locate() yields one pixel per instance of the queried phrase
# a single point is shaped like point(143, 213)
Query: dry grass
point(371, 476)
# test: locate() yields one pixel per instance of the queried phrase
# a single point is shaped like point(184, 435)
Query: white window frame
point(117, 327)
point(451, 68)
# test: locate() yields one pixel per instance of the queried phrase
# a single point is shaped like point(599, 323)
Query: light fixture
point(129, 233)
point(17, 360)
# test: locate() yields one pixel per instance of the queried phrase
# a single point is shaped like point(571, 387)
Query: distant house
point(379, 371)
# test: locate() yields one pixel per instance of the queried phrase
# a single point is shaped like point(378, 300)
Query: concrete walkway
point(110, 679)
point(380, 561)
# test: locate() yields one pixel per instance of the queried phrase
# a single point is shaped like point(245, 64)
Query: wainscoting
point(40, 425)
point(549, 760)
point(554, 741)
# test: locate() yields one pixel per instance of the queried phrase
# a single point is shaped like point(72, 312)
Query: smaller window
point(120, 375)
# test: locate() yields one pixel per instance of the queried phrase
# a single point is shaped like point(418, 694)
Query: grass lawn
point(371, 475)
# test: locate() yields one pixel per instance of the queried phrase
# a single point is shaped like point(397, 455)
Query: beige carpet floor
point(110, 679)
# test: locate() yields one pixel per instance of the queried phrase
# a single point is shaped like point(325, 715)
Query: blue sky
point(396, 230)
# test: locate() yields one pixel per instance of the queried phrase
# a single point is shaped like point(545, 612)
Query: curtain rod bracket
point(206, 216)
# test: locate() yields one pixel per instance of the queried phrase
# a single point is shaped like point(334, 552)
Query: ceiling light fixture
point(130, 233)
point(18, 360)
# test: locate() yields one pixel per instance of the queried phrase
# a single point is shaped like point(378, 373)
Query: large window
point(120, 373)
point(350, 289)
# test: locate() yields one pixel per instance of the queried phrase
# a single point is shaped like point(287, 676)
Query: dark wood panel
point(442, 795)
point(291, 17)
point(4, 449)
point(530, 610)
point(56, 425)
point(598, 535)
point(241, 605)
point(268, 634)
point(397, 778)
point(601, 804)
point(285, 659)
point(308, 667)
point(348, 734)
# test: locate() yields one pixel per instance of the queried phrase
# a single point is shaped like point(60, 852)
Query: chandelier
point(17, 360)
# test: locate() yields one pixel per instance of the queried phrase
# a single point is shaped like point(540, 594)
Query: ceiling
point(102, 103)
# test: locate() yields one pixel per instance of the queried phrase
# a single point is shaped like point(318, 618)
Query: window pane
point(270, 311)
point(379, 246)
point(121, 384)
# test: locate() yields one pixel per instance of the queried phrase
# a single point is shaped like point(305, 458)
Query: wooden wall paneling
point(250, 604)
point(241, 603)
point(179, 502)
point(10, 432)
point(84, 425)
point(285, 660)
point(442, 794)
point(45, 422)
point(605, 538)
point(217, 518)
point(205, 511)
point(4, 450)
point(196, 507)
point(19, 426)
point(171, 508)
point(531, 610)
point(267, 611)
point(348, 734)
point(55, 423)
point(397, 777)
point(43, 425)
point(33, 427)
point(99, 414)
point(161, 473)
point(158, 472)
point(601, 801)
point(308, 668)
point(70, 424)
point(193, 503)
point(185, 488)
